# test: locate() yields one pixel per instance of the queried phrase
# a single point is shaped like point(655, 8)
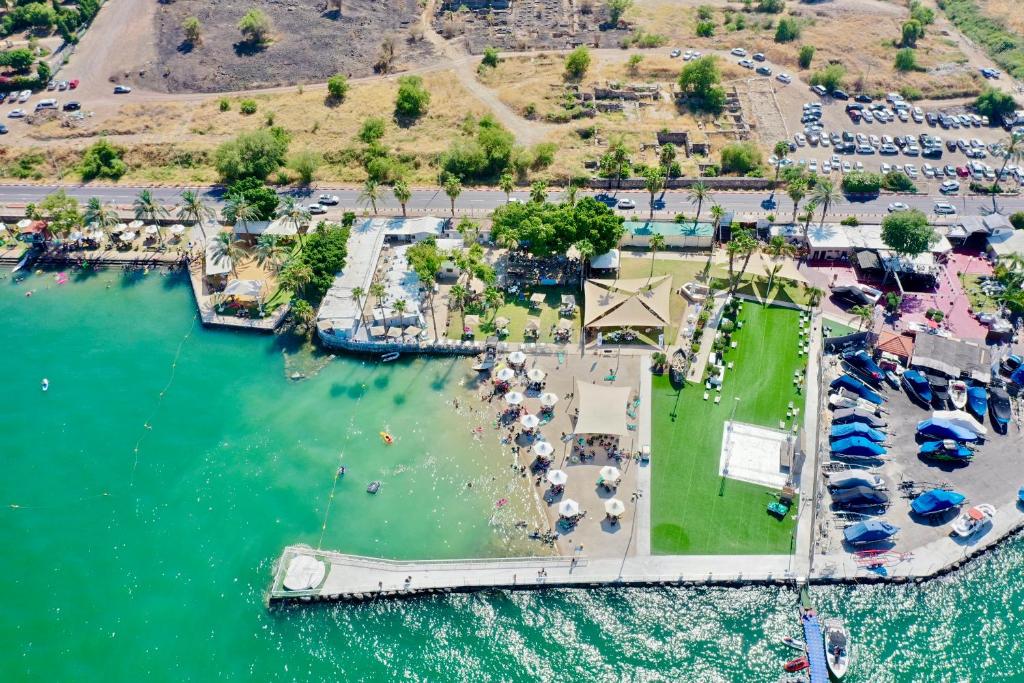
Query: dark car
point(72, 106)
point(764, 71)
point(866, 99)
point(840, 94)
point(3, 96)
point(3, 129)
point(121, 90)
point(932, 152)
point(759, 57)
point(853, 105)
point(931, 118)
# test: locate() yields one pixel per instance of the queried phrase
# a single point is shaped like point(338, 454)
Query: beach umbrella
point(543, 449)
point(609, 473)
point(568, 508)
point(152, 230)
point(413, 331)
point(377, 331)
point(533, 324)
point(505, 374)
point(530, 421)
point(517, 358)
point(471, 320)
point(501, 321)
point(514, 398)
point(177, 229)
point(614, 507)
point(548, 399)
point(557, 477)
point(135, 225)
point(120, 227)
point(128, 236)
point(535, 375)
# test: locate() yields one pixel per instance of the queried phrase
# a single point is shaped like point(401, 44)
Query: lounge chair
point(706, 394)
point(718, 399)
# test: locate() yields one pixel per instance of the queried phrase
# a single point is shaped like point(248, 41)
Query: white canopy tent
point(244, 288)
point(602, 409)
point(215, 265)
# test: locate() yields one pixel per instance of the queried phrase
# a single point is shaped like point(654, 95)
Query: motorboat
point(1010, 363)
point(857, 429)
point(892, 379)
point(860, 497)
point(858, 387)
point(973, 519)
point(946, 449)
point(940, 390)
point(837, 647)
point(961, 418)
point(857, 446)
point(1017, 376)
point(790, 641)
point(865, 366)
point(917, 387)
point(848, 415)
point(373, 487)
point(389, 357)
point(847, 399)
point(999, 406)
point(977, 400)
point(944, 429)
point(936, 502)
point(798, 664)
point(861, 295)
point(958, 393)
point(870, 531)
point(849, 478)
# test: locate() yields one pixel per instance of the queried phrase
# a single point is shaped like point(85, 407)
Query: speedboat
point(936, 502)
point(871, 531)
point(865, 366)
point(798, 664)
point(973, 519)
point(847, 399)
point(790, 641)
point(999, 406)
point(940, 390)
point(858, 447)
point(958, 393)
point(849, 478)
point(961, 418)
point(847, 415)
point(1010, 363)
point(837, 647)
point(977, 400)
point(856, 429)
point(388, 357)
point(373, 487)
point(938, 428)
point(860, 497)
point(946, 449)
point(917, 387)
point(858, 387)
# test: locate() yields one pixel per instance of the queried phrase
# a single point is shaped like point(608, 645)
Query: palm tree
point(780, 151)
point(402, 193)
point(620, 157)
point(227, 248)
point(1013, 150)
point(570, 193)
point(698, 193)
point(814, 295)
point(103, 215)
point(378, 291)
point(457, 296)
point(666, 156)
point(193, 210)
point(295, 277)
point(507, 183)
point(742, 244)
point(797, 191)
point(399, 307)
point(778, 247)
point(294, 213)
point(865, 314)
point(654, 182)
point(370, 194)
point(538, 191)
point(606, 165)
point(358, 293)
point(657, 243)
point(147, 208)
point(238, 209)
point(453, 188)
point(717, 214)
point(825, 194)
point(493, 299)
point(586, 251)
point(772, 273)
point(270, 251)
point(809, 208)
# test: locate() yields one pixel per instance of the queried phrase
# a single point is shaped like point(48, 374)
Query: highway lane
point(475, 202)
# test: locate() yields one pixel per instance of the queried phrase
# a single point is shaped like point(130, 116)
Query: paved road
point(479, 201)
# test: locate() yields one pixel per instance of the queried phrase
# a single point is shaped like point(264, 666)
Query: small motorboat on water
point(946, 449)
point(837, 647)
point(973, 520)
point(798, 664)
point(340, 473)
point(977, 400)
point(388, 357)
point(790, 641)
point(387, 438)
point(45, 384)
point(373, 487)
point(958, 393)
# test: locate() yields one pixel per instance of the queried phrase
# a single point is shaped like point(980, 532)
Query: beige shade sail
point(627, 308)
point(602, 409)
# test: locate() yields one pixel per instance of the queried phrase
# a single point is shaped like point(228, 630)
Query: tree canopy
point(263, 199)
point(552, 228)
point(700, 81)
point(908, 232)
point(254, 154)
point(995, 103)
point(412, 98)
point(102, 160)
point(324, 253)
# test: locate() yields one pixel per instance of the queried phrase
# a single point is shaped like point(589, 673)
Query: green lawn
point(519, 311)
point(980, 302)
point(693, 510)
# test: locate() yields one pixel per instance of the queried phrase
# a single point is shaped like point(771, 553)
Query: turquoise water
point(125, 566)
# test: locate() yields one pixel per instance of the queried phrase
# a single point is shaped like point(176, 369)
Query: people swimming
point(45, 384)
point(341, 472)
point(388, 439)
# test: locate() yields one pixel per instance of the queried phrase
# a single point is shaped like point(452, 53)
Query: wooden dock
point(351, 577)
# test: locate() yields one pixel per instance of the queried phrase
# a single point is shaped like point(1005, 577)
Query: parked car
point(627, 203)
point(48, 103)
point(3, 96)
point(818, 89)
point(24, 95)
point(16, 114)
point(316, 209)
point(962, 171)
point(739, 52)
point(675, 53)
point(63, 85)
point(122, 89)
point(949, 186)
point(746, 64)
point(897, 206)
point(759, 57)
point(784, 78)
point(764, 71)
point(866, 99)
point(944, 209)
point(3, 129)
point(840, 94)
point(72, 106)
point(328, 200)
point(73, 83)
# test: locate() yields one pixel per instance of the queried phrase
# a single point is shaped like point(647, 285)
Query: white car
point(16, 114)
point(886, 168)
point(626, 204)
point(24, 95)
point(949, 186)
point(800, 139)
point(859, 165)
point(316, 209)
point(826, 166)
point(739, 52)
point(688, 55)
point(847, 167)
point(944, 209)
point(867, 117)
point(897, 206)
point(784, 78)
point(812, 166)
point(328, 200)
point(910, 170)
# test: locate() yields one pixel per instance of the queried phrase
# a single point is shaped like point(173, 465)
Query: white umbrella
point(152, 230)
point(135, 225)
point(614, 507)
point(568, 508)
point(609, 473)
point(548, 399)
point(530, 421)
point(543, 449)
point(505, 374)
point(128, 236)
point(120, 227)
point(535, 375)
point(557, 477)
point(177, 229)
point(517, 358)
point(514, 398)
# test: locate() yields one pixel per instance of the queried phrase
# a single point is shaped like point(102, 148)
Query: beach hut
point(543, 449)
point(557, 477)
point(614, 507)
point(568, 508)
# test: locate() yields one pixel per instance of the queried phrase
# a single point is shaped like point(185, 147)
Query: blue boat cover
point(863, 362)
point(857, 429)
point(936, 500)
point(870, 531)
point(1018, 376)
point(977, 398)
point(944, 429)
point(855, 385)
point(857, 445)
point(815, 649)
point(919, 381)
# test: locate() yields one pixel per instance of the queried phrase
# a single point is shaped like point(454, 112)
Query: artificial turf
point(694, 510)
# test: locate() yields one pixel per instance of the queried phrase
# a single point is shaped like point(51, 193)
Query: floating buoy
point(45, 384)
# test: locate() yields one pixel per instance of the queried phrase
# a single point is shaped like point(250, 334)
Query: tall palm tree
point(809, 208)
point(698, 193)
point(620, 157)
point(717, 214)
point(744, 244)
point(103, 215)
point(293, 212)
point(507, 183)
point(586, 251)
point(772, 273)
point(865, 314)
point(570, 193)
point(1013, 150)
point(378, 291)
point(493, 300)
point(538, 191)
point(825, 194)
point(270, 252)
point(399, 307)
point(666, 156)
point(814, 295)
point(147, 208)
point(295, 277)
point(402, 193)
point(780, 151)
point(192, 210)
point(654, 182)
point(370, 194)
point(657, 243)
point(457, 296)
point(453, 188)
point(227, 248)
point(778, 248)
point(358, 293)
point(239, 210)
point(796, 190)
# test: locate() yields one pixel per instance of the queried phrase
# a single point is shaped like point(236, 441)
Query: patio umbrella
point(543, 449)
point(568, 508)
point(24, 223)
point(471, 320)
point(517, 358)
point(533, 324)
point(609, 473)
point(177, 229)
point(413, 331)
point(535, 375)
point(530, 421)
point(564, 324)
point(537, 298)
point(514, 398)
point(505, 374)
point(128, 236)
point(614, 507)
point(377, 331)
point(120, 227)
point(548, 399)
point(557, 477)
point(152, 230)
point(135, 225)
point(501, 321)
point(395, 332)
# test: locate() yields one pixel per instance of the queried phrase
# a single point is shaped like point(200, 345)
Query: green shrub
point(898, 182)
point(224, 104)
point(577, 62)
point(255, 154)
point(490, 57)
point(412, 99)
point(830, 78)
point(805, 56)
point(1017, 220)
point(906, 60)
point(337, 87)
point(705, 12)
point(699, 81)
point(1004, 46)
point(741, 158)
point(788, 30)
point(862, 182)
point(994, 104)
point(771, 6)
point(705, 29)
point(247, 107)
point(372, 129)
point(850, 221)
point(102, 160)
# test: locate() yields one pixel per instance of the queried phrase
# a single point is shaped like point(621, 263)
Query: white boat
point(844, 399)
point(837, 647)
point(958, 393)
point(961, 418)
point(484, 365)
point(973, 519)
point(388, 357)
point(852, 477)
